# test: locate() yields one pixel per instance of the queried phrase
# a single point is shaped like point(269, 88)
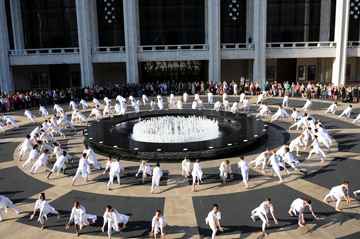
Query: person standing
point(274, 160)
point(262, 212)
point(80, 218)
point(185, 168)
point(196, 173)
point(225, 169)
point(244, 168)
point(145, 169)
point(213, 219)
point(45, 209)
point(156, 176)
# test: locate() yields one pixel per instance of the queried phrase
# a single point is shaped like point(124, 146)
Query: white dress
point(197, 172)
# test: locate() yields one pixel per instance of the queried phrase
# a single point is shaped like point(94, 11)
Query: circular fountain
point(174, 134)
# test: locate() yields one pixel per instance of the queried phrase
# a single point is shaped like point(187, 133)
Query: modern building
point(60, 43)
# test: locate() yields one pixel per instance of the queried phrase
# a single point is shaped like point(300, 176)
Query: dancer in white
point(338, 192)
point(242, 96)
point(179, 105)
point(41, 161)
point(262, 212)
point(156, 176)
point(185, 168)
point(217, 105)
point(107, 109)
point(7, 119)
point(356, 193)
point(274, 160)
point(285, 101)
point(30, 116)
point(213, 219)
point(171, 104)
point(322, 139)
point(123, 108)
point(80, 218)
point(158, 97)
point(145, 169)
point(2, 127)
point(83, 104)
point(196, 96)
point(244, 168)
point(307, 105)
point(34, 154)
point(263, 109)
point(60, 163)
point(91, 156)
point(246, 105)
point(47, 138)
point(298, 206)
point(45, 209)
point(347, 112)
point(357, 119)
point(152, 105)
point(43, 112)
point(200, 104)
point(58, 109)
point(113, 219)
point(289, 159)
point(83, 169)
point(117, 108)
point(226, 104)
point(160, 104)
point(332, 108)
point(261, 159)
point(157, 225)
point(55, 129)
point(281, 154)
point(317, 150)
point(96, 102)
point(25, 147)
point(185, 97)
point(235, 107)
point(119, 99)
point(53, 120)
point(260, 99)
point(115, 169)
point(106, 100)
point(144, 99)
point(225, 169)
point(196, 173)
point(7, 203)
point(96, 112)
point(297, 143)
point(210, 97)
point(279, 113)
point(65, 123)
point(295, 116)
point(303, 122)
point(43, 146)
point(73, 105)
point(135, 106)
point(194, 105)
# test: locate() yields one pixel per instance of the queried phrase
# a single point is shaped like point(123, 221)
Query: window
point(34, 80)
point(270, 73)
point(293, 20)
point(44, 80)
point(49, 23)
point(302, 73)
point(311, 73)
point(233, 31)
point(172, 22)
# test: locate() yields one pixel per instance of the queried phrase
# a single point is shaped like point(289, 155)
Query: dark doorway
point(286, 70)
point(59, 76)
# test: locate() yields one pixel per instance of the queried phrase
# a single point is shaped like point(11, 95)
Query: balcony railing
point(44, 51)
point(300, 45)
point(173, 48)
point(237, 46)
point(108, 50)
point(354, 44)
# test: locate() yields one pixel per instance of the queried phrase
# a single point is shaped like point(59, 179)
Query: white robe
point(91, 157)
point(197, 172)
point(4, 204)
point(156, 176)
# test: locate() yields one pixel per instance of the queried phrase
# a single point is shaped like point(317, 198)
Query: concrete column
point(249, 18)
point(17, 26)
point(259, 39)
point(5, 72)
point(94, 24)
point(307, 21)
point(131, 12)
point(325, 16)
point(341, 39)
point(85, 36)
point(214, 36)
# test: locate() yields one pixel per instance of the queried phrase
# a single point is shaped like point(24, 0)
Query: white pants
point(2, 128)
point(338, 198)
point(12, 122)
point(78, 172)
point(294, 211)
point(30, 119)
point(245, 176)
point(356, 120)
point(261, 113)
point(44, 216)
point(276, 169)
point(29, 161)
point(111, 178)
point(23, 151)
point(223, 175)
point(255, 213)
point(10, 205)
point(318, 152)
point(275, 117)
point(285, 103)
point(59, 132)
point(36, 166)
point(331, 110)
point(342, 114)
point(69, 125)
point(110, 227)
point(46, 114)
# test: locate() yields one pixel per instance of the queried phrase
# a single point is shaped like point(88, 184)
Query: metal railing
point(237, 46)
point(300, 45)
point(173, 48)
point(354, 44)
point(108, 50)
point(44, 51)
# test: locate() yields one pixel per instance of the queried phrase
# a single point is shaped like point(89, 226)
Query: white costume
point(55, 129)
point(157, 224)
point(73, 105)
point(226, 105)
point(261, 159)
point(43, 112)
point(210, 220)
point(45, 209)
point(274, 160)
point(79, 216)
point(332, 108)
point(119, 99)
point(337, 192)
point(123, 108)
point(58, 109)
point(357, 119)
point(115, 170)
point(289, 159)
point(246, 105)
point(307, 105)
point(135, 106)
point(263, 109)
point(156, 176)
point(161, 105)
point(60, 163)
point(235, 107)
point(297, 143)
point(298, 206)
point(317, 150)
point(144, 99)
point(244, 167)
point(210, 97)
point(41, 161)
point(65, 123)
point(185, 97)
point(7, 203)
point(225, 169)
point(83, 169)
point(296, 115)
point(34, 154)
point(9, 120)
point(107, 110)
point(145, 169)
point(91, 157)
point(197, 172)
point(261, 211)
point(224, 96)
point(29, 115)
point(185, 167)
point(2, 127)
point(194, 105)
point(347, 112)
point(285, 101)
point(96, 112)
point(217, 105)
point(152, 105)
point(83, 104)
point(260, 98)
point(179, 105)
point(113, 219)
point(196, 97)
point(96, 102)
point(242, 96)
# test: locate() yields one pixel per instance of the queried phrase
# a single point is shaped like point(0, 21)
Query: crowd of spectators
point(21, 100)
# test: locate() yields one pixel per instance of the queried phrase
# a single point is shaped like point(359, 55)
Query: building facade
point(60, 43)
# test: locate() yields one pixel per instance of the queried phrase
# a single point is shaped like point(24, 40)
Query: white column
point(17, 26)
point(259, 39)
point(5, 72)
point(94, 24)
point(131, 11)
point(206, 9)
point(85, 36)
point(341, 39)
point(214, 39)
point(249, 18)
point(325, 17)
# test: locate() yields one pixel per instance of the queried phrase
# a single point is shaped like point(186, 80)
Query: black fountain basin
point(239, 133)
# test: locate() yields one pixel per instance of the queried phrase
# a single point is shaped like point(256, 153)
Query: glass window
point(9, 25)
point(293, 20)
point(49, 23)
point(233, 31)
point(171, 22)
point(34, 80)
point(44, 80)
point(311, 73)
point(111, 26)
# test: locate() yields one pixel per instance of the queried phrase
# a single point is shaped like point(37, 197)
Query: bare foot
point(290, 213)
point(338, 209)
point(281, 182)
point(298, 155)
point(42, 228)
point(253, 218)
point(300, 225)
point(326, 202)
point(247, 187)
point(58, 215)
point(355, 194)
point(265, 234)
point(307, 158)
point(322, 161)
